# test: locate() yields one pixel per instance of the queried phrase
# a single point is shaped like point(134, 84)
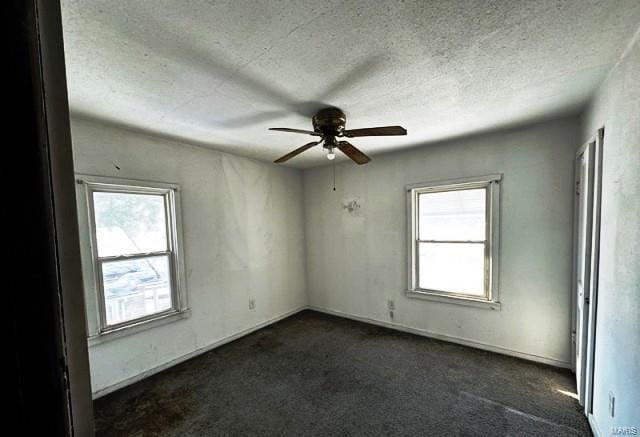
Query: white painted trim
point(594, 271)
point(584, 321)
point(492, 184)
point(171, 193)
point(155, 322)
point(496, 177)
point(145, 374)
point(594, 425)
point(458, 300)
point(463, 341)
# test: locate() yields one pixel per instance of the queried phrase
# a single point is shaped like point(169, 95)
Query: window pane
point(129, 223)
point(452, 267)
point(452, 215)
point(136, 288)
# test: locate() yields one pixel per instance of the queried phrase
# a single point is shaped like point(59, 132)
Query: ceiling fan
point(328, 125)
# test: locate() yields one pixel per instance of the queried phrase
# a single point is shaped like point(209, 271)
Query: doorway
point(588, 177)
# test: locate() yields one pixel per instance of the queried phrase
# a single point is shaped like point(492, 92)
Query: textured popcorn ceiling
point(219, 73)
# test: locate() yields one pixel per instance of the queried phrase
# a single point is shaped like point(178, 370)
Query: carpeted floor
point(318, 375)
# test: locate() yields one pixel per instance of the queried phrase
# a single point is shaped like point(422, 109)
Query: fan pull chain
point(333, 163)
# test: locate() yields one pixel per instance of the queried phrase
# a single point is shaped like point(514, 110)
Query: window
point(453, 240)
point(135, 245)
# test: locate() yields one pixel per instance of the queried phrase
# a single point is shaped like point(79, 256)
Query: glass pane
point(136, 288)
point(129, 223)
point(452, 215)
point(452, 267)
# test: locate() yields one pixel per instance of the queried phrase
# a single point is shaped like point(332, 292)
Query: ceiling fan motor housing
point(330, 122)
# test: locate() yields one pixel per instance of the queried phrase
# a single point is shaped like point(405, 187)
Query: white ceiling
point(219, 73)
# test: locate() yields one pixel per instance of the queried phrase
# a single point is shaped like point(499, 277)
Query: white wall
point(356, 263)
point(243, 237)
point(616, 106)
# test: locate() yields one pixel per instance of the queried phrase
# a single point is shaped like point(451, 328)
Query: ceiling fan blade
point(296, 131)
point(375, 131)
point(352, 152)
point(299, 150)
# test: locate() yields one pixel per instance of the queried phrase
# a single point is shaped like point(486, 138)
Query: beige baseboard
point(594, 425)
point(145, 374)
point(449, 338)
point(466, 342)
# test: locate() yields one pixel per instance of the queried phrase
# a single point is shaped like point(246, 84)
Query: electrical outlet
point(612, 404)
point(391, 306)
point(252, 304)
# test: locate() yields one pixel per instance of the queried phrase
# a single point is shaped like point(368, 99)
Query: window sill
point(138, 327)
point(477, 303)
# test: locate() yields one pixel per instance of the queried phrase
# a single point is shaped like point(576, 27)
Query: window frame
point(174, 252)
point(491, 183)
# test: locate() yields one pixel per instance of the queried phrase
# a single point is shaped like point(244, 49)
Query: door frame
point(50, 388)
point(585, 385)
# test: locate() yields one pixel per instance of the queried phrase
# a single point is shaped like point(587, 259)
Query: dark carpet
point(318, 375)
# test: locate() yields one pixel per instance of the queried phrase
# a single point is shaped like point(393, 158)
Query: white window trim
point(492, 184)
point(99, 331)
